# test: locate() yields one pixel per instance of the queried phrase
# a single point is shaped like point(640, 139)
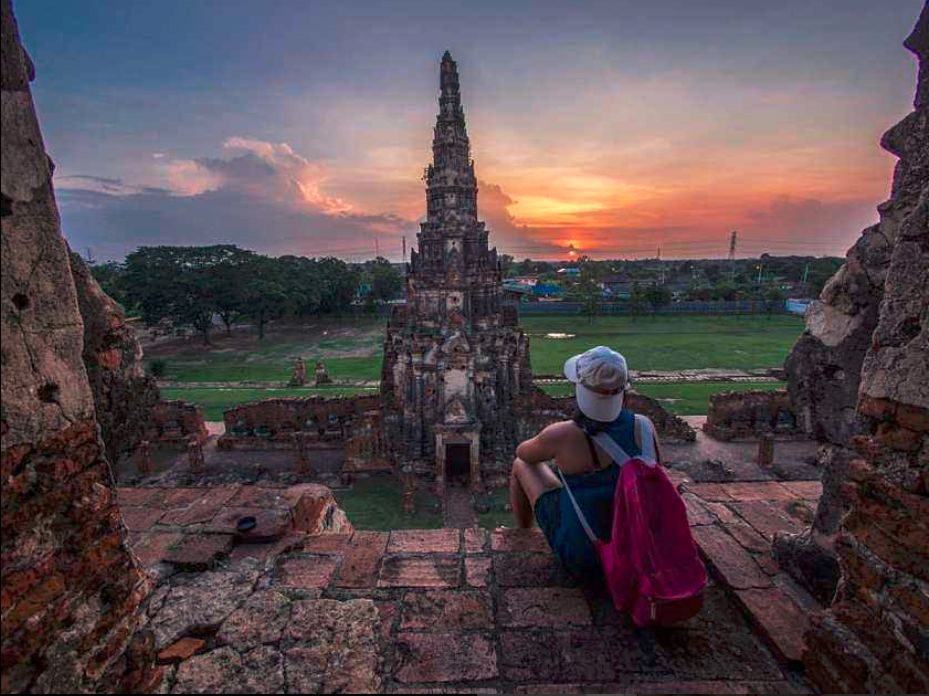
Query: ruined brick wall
point(548, 409)
point(273, 423)
point(734, 415)
point(70, 588)
point(825, 366)
point(123, 394)
point(172, 422)
point(875, 636)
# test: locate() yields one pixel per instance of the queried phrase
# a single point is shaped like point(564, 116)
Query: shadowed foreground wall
point(70, 587)
point(862, 372)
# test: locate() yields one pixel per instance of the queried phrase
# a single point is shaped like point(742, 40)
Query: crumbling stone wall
point(825, 366)
point(734, 415)
point(70, 587)
point(123, 394)
point(171, 423)
point(875, 503)
point(352, 423)
point(548, 409)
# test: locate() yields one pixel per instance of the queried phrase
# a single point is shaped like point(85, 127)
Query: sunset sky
point(618, 127)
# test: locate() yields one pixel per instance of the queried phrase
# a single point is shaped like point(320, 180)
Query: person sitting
point(601, 379)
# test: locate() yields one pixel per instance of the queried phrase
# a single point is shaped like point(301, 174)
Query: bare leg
point(527, 483)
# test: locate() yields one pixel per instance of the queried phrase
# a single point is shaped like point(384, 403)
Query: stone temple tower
point(456, 378)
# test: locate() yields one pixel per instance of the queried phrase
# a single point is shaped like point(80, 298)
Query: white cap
point(600, 376)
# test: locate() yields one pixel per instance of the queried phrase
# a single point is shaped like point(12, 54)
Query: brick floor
point(362, 561)
point(424, 541)
point(412, 571)
point(470, 611)
point(306, 572)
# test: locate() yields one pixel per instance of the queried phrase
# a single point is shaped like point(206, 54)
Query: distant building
point(799, 306)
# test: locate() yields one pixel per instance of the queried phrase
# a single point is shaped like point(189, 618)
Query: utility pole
point(377, 249)
point(404, 248)
point(732, 243)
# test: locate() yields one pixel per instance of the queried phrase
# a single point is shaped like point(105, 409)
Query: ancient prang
point(456, 365)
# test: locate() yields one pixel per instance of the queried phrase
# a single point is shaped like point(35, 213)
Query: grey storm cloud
point(264, 197)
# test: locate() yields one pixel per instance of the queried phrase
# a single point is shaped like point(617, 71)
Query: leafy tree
point(339, 283)
point(658, 296)
point(110, 277)
point(773, 298)
point(637, 300)
point(587, 290)
point(264, 295)
point(229, 281)
point(383, 279)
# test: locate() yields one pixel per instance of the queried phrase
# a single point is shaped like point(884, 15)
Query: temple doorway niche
point(458, 463)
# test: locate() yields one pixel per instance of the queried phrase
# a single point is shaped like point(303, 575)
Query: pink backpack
point(651, 564)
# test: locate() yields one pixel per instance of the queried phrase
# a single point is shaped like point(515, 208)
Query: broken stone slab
point(331, 647)
point(260, 620)
point(199, 551)
point(224, 671)
point(446, 657)
point(197, 605)
point(181, 650)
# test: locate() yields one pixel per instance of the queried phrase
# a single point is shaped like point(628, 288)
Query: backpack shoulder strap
point(646, 437)
point(612, 448)
point(577, 509)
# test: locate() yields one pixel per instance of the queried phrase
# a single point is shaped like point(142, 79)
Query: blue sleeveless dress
point(594, 492)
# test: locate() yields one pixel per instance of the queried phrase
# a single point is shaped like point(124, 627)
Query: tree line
point(192, 286)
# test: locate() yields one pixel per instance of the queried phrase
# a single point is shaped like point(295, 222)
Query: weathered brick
point(412, 571)
point(530, 656)
point(181, 650)
point(780, 620)
point(530, 570)
point(180, 497)
point(139, 497)
point(203, 509)
point(766, 517)
point(475, 540)
point(154, 546)
point(507, 539)
point(306, 572)
point(447, 610)
point(697, 514)
point(445, 657)
point(748, 537)
point(736, 566)
point(326, 543)
point(199, 551)
point(477, 571)
point(715, 492)
point(544, 606)
point(759, 490)
point(270, 524)
point(141, 519)
point(807, 490)
point(362, 561)
point(424, 541)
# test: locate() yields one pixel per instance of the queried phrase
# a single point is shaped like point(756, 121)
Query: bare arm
point(654, 433)
point(538, 449)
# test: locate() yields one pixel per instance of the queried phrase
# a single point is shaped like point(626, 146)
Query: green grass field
point(351, 350)
point(666, 342)
point(681, 398)
point(376, 503)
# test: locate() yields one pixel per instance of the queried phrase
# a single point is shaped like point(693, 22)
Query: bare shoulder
point(559, 430)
